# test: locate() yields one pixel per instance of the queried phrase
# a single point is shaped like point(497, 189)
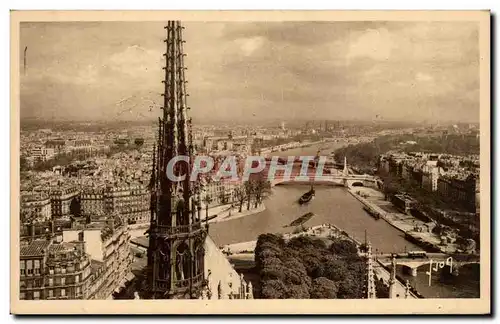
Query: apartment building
point(35, 206)
point(64, 201)
point(107, 243)
point(51, 270)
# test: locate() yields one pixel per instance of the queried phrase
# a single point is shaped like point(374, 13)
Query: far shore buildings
point(454, 179)
point(240, 143)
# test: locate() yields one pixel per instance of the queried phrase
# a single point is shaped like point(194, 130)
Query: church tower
point(177, 236)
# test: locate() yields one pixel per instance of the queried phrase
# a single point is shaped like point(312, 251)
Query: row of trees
point(306, 267)
point(252, 191)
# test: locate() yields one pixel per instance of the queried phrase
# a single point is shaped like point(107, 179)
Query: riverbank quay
point(416, 231)
point(229, 212)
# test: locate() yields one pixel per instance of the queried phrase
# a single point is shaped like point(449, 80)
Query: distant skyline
point(387, 71)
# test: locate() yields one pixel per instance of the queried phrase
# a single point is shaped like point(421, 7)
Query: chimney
point(81, 242)
point(31, 229)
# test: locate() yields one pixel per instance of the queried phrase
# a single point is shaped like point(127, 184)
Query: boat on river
point(307, 197)
point(371, 212)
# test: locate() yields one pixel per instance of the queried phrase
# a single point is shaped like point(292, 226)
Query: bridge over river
point(434, 260)
point(324, 176)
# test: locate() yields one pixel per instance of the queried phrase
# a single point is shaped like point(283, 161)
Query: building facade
point(92, 202)
point(107, 243)
point(32, 270)
point(35, 206)
point(132, 202)
point(67, 271)
point(51, 270)
point(64, 201)
point(459, 189)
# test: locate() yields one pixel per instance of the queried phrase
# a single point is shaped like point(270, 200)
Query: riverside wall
point(419, 240)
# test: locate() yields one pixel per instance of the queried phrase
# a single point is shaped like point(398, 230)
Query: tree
point(261, 189)
point(350, 288)
point(207, 200)
point(297, 292)
point(343, 247)
point(323, 288)
point(304, 267)
point(139, 142)
point(240, 196)
point(249, 190)
point(335, 270)
point(222, 197)
point(273, 289)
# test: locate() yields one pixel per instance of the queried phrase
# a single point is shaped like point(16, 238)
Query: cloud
point(249, 45)
point(376, 44)
point(422, 77)
point(330, 70)
point(135, 61)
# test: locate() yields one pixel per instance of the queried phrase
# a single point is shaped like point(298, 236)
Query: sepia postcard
point(273, 162)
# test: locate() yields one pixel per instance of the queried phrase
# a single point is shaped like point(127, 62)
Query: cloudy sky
point(423, 71)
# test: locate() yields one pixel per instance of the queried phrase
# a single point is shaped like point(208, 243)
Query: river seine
point(334, 205)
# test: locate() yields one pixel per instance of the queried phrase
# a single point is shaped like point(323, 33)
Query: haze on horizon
point(418, 71)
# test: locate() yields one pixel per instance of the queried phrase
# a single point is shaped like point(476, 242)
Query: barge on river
point(371, 212)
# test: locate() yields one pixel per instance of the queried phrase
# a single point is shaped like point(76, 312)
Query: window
point(36, 295)
point(51, 293)
point(63, 281)
point(63, 269)
point(51, 282)
point(22, 284)
point(77, 279)
point(63, 292)
point(29, 267)
point(23, 270)
point(22, 295)
point(51, 270)
point(77, 291)
point(37, 267)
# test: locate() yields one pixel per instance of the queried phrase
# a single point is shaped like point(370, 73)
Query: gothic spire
point(175, 267)
point(371, 294)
